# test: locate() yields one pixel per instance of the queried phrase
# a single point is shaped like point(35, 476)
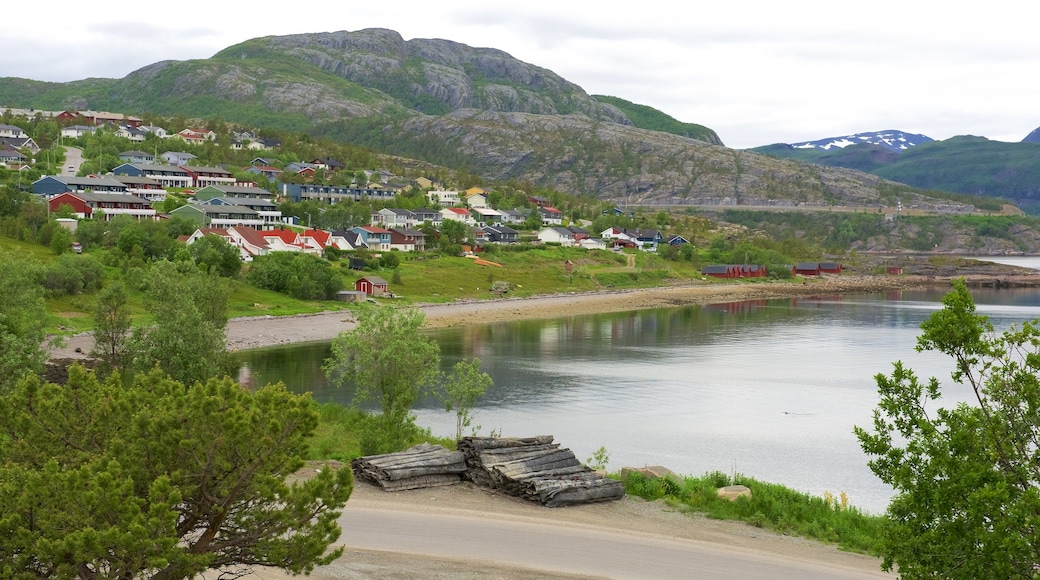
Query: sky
point(757, 72)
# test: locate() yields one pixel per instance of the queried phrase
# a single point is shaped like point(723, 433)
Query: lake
point(769, 388)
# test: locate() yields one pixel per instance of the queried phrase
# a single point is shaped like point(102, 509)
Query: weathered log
point(419, 482)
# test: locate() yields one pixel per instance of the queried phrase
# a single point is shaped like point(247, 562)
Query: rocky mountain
point(891, 140)
point(477, 109)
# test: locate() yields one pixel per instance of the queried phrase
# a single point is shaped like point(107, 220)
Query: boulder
point(649, 472)
point(732, 492)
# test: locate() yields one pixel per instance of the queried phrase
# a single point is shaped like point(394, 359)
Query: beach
point(264, 331)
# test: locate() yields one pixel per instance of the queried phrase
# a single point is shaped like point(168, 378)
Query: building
point(372, 285)
point(169, 176)
point(89, 205)
point(50, 185)
point(204, 176)
point(557, 235)
point(444, 198)
point(377, 239)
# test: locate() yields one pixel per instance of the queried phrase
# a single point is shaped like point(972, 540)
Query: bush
point(298, 275)
point(73, 274)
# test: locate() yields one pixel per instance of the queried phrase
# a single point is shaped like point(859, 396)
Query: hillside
point(477, 109)
point(966, 165)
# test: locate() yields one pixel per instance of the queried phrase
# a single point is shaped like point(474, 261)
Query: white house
point(458, 214)
point(444, 198)
point(557, 235)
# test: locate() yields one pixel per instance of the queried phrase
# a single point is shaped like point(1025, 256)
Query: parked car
point(77, 247)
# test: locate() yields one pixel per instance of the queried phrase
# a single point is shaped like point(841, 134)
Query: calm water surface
point(769, 389)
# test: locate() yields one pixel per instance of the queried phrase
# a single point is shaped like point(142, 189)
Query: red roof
point(287, 236)
point(319, 236)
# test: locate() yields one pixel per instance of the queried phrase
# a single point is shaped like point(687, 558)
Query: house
point(266, 210)
point(76, 131)
point(332, 194)
point(142, 187)
point(458, 214)
point(196, 136)
point(12, 132)
point(830, 268)
point(137, 157)
point(378, 239)
point(512, 216)
point(557, 235)
point(132, 133)
point(593, 244)
point(157, 131)
point(233, 191)
point(485, 215)
point(168, 176)
point(249, 241)
point(444, 198)
point(407, 240)
point(614, 211)
point(268, 171)
point(283, 240)
point(329, 164)
point(219, 214)
point(177, 158)
point(501, 234)
point(538, 201)
point(390, 218)
point(372, 285)
point(476, 197)
point(203, 176)
point(677, 240)
point(10, 157)
point(423, 183)
point(579, 233)
point(647, 239)
point(106, 118)
point(550, 215)
point(423, 215)
point(352, 239)
point(50, 185)
point(86, 204)
point(20, 143)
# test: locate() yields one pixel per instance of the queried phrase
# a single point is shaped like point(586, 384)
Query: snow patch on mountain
point(891, 140)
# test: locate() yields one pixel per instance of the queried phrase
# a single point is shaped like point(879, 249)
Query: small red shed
point(371, 285)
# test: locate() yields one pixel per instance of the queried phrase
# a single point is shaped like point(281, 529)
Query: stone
point(732, 492)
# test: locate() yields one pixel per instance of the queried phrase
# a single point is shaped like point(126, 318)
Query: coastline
point(266, 331)
point(255, 332)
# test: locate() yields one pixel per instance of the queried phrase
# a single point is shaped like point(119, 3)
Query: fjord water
point(770, 389)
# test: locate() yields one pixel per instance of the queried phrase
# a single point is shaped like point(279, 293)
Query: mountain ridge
point(480, 108)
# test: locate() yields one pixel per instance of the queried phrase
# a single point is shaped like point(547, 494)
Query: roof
point(94, 197)
point(203, 169)
point(153, 168)
point(375, 280)
point(250, 235)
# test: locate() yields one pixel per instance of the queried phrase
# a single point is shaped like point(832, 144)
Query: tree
point(299, 275)
point(111, 328)
point(158, 479)
point(460, 390)
point(967, 478)
point(216, 255)
point(387, 358)
point(22, 318)
point(187, 339)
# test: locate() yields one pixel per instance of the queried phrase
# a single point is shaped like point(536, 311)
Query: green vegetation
point(101, 479)
point(966, 476)
point(770, 506)
point(650, 118)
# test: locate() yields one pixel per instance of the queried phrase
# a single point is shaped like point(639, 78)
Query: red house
point(372, 285)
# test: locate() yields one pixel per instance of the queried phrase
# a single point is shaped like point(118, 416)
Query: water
point(769, 389)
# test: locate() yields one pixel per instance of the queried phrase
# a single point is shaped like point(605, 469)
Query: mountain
point(1033, 137)
point(892, 140)
point(476, 109)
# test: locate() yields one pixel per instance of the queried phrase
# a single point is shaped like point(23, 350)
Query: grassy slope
point(650, 118)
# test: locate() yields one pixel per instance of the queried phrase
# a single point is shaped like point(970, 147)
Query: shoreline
point(256, 332)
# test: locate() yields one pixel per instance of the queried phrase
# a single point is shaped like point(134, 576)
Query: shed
point(371, 285)
point(719, 271)
point(830, 267)
point(807, 269)
point(350, 296)
point(893, 270)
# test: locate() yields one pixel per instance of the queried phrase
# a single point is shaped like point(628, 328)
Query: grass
point(770, 506)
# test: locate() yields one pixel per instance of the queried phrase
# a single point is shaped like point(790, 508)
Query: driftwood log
point(536, 469)
point(421, 466)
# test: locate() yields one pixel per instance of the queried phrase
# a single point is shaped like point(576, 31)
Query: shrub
point(298, 275)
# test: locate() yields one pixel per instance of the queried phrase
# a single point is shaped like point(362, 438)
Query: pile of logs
point(536, 469)
point(421, 466)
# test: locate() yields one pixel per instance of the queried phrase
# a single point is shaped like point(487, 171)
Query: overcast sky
point(757, 72)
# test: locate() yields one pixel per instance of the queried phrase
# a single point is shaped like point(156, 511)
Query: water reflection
point(769, 388)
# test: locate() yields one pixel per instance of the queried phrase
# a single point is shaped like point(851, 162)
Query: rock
point(732, 492)
point(649, 472)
